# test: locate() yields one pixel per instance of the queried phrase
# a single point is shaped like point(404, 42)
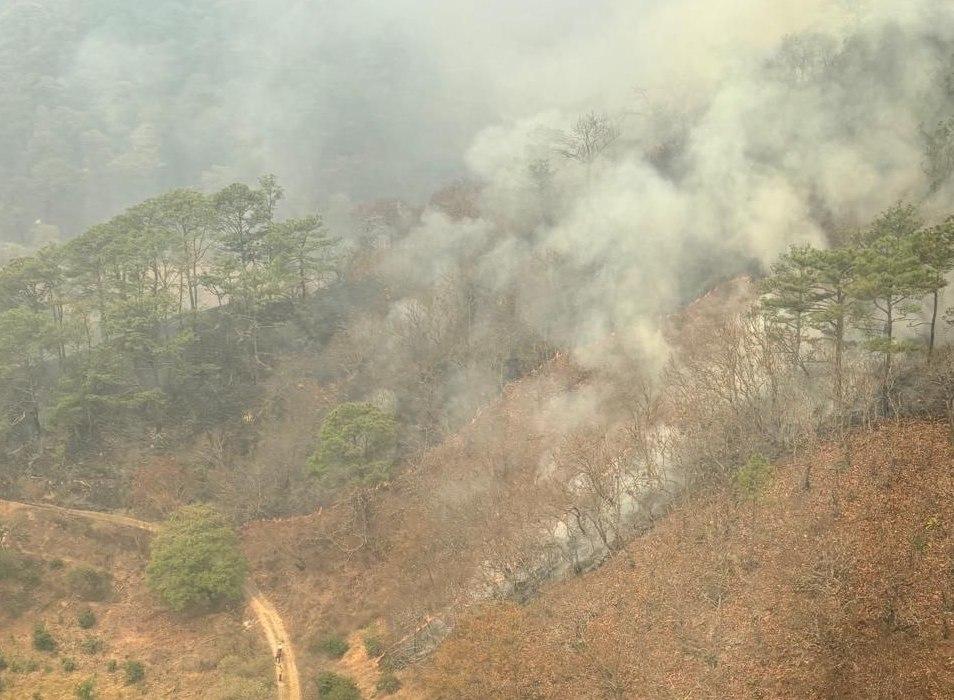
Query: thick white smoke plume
point(735, 129)
point(739, 126)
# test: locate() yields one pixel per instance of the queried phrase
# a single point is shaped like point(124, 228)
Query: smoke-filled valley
point(432, 350)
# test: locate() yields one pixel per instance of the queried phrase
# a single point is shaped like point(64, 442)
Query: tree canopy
point(103, 334)
point(196, 564)
point(868, 285)
point(357, 444)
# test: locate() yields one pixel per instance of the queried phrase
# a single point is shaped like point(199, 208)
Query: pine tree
point(934, 248)
point(891, 280)
point(834, 305)
point(302, 250)
point(790, 295)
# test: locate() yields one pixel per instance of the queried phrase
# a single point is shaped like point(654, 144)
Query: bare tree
point(591, 135)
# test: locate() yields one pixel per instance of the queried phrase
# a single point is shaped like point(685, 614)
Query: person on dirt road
point(279, 652)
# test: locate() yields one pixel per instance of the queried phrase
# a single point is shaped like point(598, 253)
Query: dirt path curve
point(289, 686)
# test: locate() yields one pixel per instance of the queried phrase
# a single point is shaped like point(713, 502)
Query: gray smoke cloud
point(744, 125)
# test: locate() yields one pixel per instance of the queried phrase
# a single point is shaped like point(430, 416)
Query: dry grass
point(842, 591)
point(183, 657)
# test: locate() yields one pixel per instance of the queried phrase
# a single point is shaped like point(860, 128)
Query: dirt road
point(286, 674)
point(274, 629)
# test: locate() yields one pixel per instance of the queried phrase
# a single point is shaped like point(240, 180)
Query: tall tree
point(789, 295)
point(591, 135)
point(188, 215)
point(939, 153)
point(934, 248)
point(243, 217)
point(196, 563)
point(28, 338)
point(891, 279)
point(834, 304)
point(302, 248)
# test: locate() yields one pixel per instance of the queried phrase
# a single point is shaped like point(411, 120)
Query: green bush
point(112, 665)
point(86, 619)
point(357, 443)
point(196, 563)
point(388, 683)
point(3, 662)
point(42, 639)
point(133, 672)
point(89, 583)
point(373, 645)
point(16, 567)
point(69, 665)
point(753, 476)
point(86, 690)
point(332, 686)
point(92, 645)
point(333, 646)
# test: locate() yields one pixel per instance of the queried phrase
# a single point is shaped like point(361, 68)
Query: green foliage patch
point(89, 583)
point(333, 686)
point(92, 645)
point(373, 645)
point(753, 476)
point(42, 639)
point(333, 646)
point(357, 443)
point(133, 672)
point(196, 564)
point(86, 690)
point(387, 684)
point(86, 619)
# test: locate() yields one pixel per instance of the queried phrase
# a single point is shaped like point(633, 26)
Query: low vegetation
point(133, 672)
point(333, 686)
point(90, 584)
point(387, 684)
point(86, 690)
point(333, 646)
point(42, 639)
point(86, 619)
point(706, 603)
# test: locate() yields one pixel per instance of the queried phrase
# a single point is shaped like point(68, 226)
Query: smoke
point(743, 126)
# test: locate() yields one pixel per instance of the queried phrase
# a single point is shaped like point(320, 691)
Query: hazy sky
point(378, 97)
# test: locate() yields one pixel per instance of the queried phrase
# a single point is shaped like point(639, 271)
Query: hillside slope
point(846, 590)
point(58, 564)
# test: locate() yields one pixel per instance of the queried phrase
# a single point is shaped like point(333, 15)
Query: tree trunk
point(889, 351)
point(839, 360)
point(937, 293)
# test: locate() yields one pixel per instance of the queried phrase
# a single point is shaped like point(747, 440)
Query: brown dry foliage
point(849, 593)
